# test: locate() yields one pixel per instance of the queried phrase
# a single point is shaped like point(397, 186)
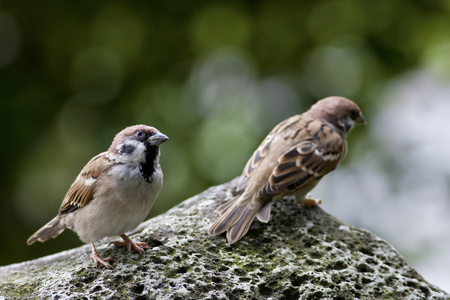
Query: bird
point(113, 193)
point(291, 160)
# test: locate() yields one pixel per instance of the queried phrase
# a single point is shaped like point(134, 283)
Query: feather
point(50, 230)
point(83, 189)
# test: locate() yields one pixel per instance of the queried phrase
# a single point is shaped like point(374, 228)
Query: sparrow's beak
point(157, 139)
point(360, 119)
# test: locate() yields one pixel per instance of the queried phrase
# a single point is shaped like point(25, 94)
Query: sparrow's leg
point(127, 242)
point(98, 259)
point(309, 201)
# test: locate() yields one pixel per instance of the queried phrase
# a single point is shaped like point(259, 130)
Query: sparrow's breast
point(120, 206)
point(131, 187)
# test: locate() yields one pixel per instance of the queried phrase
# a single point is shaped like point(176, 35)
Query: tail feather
point(224, 207)
point(264, 213)
point(241, 227)
point(50, 230)
point(236, 217)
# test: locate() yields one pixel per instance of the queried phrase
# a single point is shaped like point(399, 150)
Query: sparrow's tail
point(237, 215)
point(50, 230)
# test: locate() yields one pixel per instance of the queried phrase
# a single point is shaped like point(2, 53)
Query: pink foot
point(309, 201)
point(127, 242)
point(98, 259)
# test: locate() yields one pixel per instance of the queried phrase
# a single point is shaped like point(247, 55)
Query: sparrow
point(113, 193)
point(292, 159)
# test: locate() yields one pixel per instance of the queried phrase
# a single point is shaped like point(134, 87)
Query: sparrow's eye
point(140, 134)
point(354, 114)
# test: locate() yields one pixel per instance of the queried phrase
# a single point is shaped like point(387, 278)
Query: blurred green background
point(216, 77)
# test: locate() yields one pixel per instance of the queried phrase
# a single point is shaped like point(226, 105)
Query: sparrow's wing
point(318, 151)
point(255, 160)
point(264, 148)
point(83, 189)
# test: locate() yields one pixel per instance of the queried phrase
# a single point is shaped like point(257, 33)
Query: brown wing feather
point(307, 162)
point(263, 150)
point(256, 159)
point(83, 189)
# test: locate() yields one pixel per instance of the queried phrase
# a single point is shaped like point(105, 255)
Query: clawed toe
point(99, 260)
point(310, 202)
point(129, 244)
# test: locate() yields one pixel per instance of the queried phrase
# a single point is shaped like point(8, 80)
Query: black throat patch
point(148, 168)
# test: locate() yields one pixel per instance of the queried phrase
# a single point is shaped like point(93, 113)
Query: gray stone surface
point(301, 253)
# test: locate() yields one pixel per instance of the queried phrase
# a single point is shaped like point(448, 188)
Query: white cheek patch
point(127, 147)
point(132, 152)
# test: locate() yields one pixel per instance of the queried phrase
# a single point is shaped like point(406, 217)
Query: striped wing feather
point(83, 189)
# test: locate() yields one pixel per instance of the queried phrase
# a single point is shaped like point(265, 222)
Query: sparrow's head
point(339, 112)
point(137, 144)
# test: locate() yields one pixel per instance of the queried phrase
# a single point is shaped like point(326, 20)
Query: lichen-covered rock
point(300, 253)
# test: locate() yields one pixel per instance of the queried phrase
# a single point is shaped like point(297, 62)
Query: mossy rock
point(301, 253)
